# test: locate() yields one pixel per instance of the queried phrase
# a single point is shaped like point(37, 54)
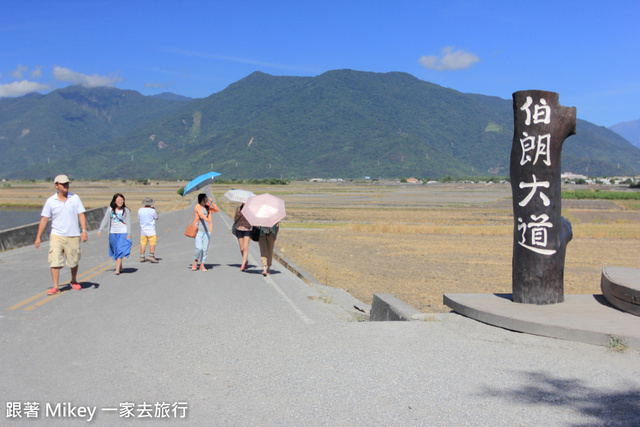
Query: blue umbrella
point(199, 182)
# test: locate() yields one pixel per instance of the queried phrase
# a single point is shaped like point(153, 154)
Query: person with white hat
point(65, 210)
point(148, 216)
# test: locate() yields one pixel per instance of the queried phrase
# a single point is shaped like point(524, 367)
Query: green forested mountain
point(38, 129)
point(342, 123)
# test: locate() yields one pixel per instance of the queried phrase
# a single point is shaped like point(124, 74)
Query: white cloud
point(37, 72)
point(17, 73)
point(66, 75)
point(449, 60)
point(20, 88)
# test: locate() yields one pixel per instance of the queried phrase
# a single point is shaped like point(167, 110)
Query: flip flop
point(76, 286)
point(53, 291)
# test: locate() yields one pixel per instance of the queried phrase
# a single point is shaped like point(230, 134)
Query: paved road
point(231, 348)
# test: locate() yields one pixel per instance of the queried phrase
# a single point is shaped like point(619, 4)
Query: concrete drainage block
point(386, 307)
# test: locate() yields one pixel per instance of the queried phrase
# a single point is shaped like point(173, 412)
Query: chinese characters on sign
point(161, 410)
point(540, 234)
point(534, 234)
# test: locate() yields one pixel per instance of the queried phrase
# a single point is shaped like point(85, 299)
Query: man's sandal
point(76, 286)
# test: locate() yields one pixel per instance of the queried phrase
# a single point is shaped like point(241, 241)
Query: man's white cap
point(61, 179)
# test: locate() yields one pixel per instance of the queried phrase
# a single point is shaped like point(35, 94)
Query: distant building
point(570, 175)
point(412, 181)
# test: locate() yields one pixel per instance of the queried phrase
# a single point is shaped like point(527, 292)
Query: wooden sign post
point(540, 234)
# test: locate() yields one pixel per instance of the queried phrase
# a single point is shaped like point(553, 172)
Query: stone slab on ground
point(621, 288)
point(583, 318)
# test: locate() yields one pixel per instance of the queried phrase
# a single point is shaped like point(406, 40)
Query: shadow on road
point(606, 407)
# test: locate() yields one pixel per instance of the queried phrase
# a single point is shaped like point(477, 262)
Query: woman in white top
point(118, 216)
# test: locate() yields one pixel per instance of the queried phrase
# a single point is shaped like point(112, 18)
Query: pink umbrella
point(264, 210)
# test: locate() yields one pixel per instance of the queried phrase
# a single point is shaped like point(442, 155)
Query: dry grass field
point(23, 195)
point(413, 241)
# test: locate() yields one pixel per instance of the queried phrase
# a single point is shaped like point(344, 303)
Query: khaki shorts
point(152, 240)
point(61, 247)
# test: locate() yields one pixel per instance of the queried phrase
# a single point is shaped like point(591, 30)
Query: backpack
point(255, 234)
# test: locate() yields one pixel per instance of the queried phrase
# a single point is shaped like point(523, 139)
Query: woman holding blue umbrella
point(203, 210)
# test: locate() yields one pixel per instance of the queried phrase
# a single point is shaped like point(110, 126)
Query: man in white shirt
point(148, 217)
point(65, 210)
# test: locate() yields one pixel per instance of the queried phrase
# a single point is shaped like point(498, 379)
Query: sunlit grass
point(629, 204)
point(312, 225)
point(617, 230)
point(20, 206)
point(470, 222)
point(471, 230)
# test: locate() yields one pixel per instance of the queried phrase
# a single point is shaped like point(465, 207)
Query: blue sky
point(587, 51)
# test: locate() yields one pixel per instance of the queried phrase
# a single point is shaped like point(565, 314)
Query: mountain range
point(628, 130)
point(342, 123)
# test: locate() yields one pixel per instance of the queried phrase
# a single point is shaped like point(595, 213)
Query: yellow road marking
point(81, 277)
point(84, 277)
point(97, 267)
point(39, 303)
point(27, 301)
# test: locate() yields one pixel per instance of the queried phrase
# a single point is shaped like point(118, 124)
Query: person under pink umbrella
point(242, 232)
point(267, 242)
point(265, 211)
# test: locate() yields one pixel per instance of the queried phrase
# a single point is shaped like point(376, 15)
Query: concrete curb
point(357, 309)
point(25, 235)
point(386, 307)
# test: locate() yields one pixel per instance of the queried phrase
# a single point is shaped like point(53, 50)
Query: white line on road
point(273, 284)
point(293, 305)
